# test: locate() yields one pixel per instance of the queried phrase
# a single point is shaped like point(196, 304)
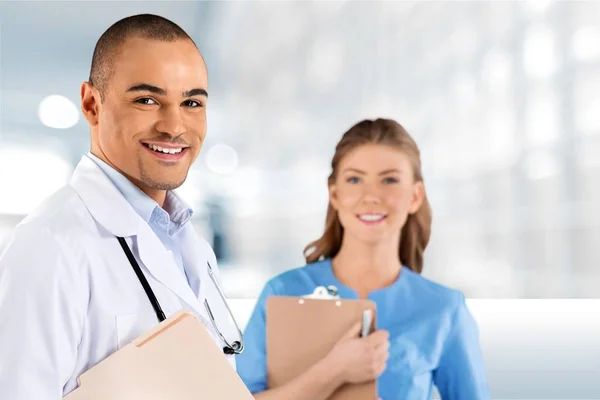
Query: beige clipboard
point(301, 331)
point(176, 360)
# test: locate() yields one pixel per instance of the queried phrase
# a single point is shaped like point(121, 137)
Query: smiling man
point(146, 103)
point(110, 255)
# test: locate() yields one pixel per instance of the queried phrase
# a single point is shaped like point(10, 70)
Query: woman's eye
point(390, 180)
point(353, 179)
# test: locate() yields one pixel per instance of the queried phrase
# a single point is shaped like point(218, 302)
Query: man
point(69, 296)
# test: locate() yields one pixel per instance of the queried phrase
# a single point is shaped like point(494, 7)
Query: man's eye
point(192, 103)
point(146, 100)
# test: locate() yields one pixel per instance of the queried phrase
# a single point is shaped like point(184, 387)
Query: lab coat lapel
point(195, 257)
point(161, 265)
point(112, 211)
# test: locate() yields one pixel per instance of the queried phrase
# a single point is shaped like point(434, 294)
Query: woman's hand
point(360, 359)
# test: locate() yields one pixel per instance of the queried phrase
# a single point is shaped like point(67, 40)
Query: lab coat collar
point(103, 200)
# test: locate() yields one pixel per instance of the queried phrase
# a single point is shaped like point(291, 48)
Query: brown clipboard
point(301, 331)
point(176, 360)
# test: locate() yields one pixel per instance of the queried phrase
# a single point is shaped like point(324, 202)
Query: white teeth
point(165, 150)
point(371, 217)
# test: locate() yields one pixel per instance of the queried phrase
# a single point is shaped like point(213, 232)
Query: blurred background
point(503, 99)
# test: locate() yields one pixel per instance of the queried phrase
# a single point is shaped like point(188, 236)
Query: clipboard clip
point(325, 293)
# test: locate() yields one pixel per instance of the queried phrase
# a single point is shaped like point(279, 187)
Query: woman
point(377, 227)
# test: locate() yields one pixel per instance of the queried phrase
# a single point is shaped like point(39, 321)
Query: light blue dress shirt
point(165, 223)
point(433, 338)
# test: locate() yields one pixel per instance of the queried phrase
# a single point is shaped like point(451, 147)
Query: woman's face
point(374, 192)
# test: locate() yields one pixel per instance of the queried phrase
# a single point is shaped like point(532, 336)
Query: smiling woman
point(377, 228)
point(376, 175)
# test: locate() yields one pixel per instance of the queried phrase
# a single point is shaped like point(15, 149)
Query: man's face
point(151, 122)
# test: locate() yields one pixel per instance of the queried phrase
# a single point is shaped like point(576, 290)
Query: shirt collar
point(176, 210)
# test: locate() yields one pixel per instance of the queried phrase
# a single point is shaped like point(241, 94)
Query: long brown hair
point(417, 228)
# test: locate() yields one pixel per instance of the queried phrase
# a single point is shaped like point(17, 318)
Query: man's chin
point(165, 185)
point(162, 182)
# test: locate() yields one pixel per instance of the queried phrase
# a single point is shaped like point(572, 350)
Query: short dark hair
point(146, 26)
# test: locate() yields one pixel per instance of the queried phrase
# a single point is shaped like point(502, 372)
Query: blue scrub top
point(434, 340)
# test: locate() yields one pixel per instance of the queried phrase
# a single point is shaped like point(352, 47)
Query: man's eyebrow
point(195, 92)
point(146, 87)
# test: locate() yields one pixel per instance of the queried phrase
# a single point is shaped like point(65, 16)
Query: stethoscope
point(237, 347)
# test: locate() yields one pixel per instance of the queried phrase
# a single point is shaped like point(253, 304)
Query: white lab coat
point(69, 297)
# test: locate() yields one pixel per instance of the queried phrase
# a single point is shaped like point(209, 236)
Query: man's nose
point(171, 122)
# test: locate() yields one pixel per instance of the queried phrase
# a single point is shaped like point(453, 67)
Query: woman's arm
point(460, 374)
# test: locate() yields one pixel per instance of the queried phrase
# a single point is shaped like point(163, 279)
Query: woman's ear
point(417, 197)
point(333, 197)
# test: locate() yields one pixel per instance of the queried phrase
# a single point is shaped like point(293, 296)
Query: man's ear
point(418, 197)
point(90, 103)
